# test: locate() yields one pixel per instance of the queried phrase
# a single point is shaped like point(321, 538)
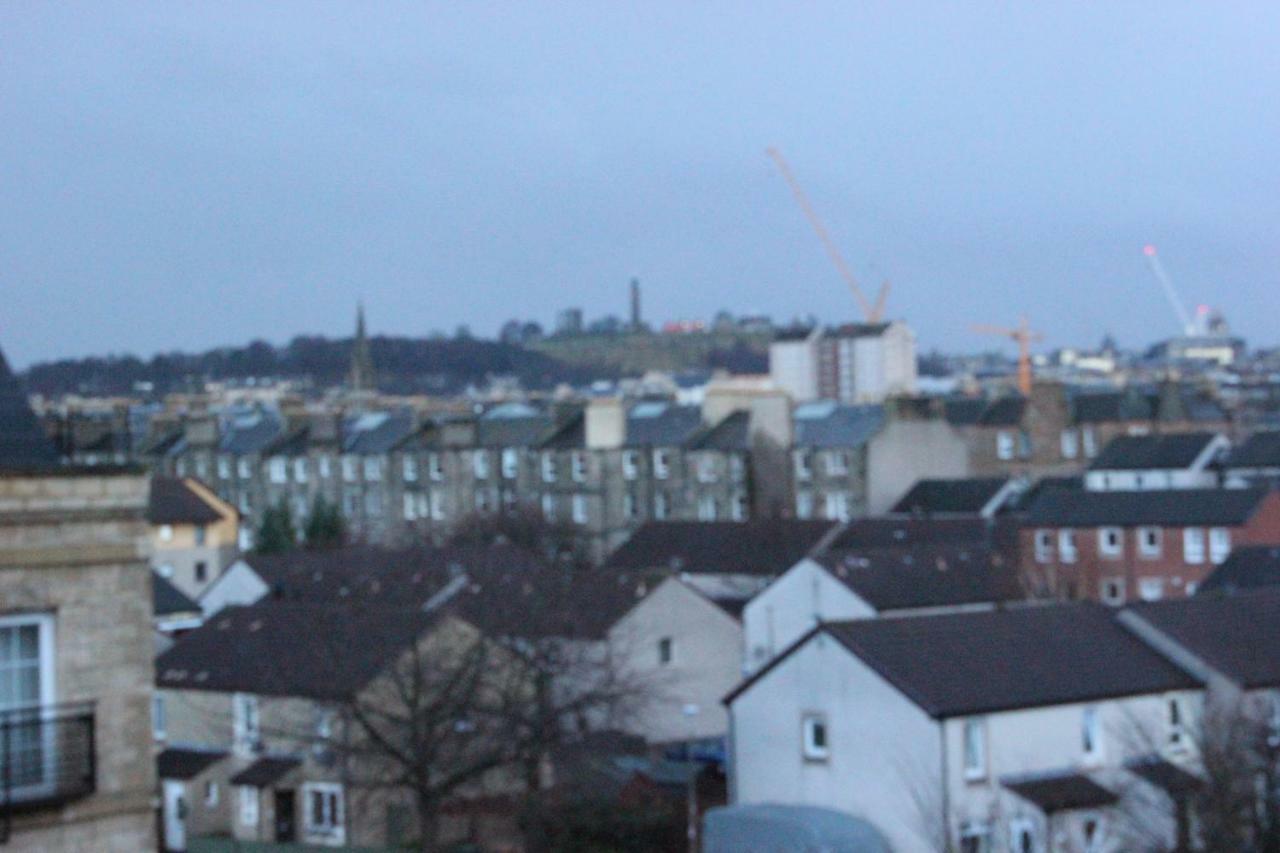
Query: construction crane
point(1024, 337)
point(873, 312)
point(1157, 269)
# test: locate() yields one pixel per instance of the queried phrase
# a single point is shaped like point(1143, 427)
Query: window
point(706, 508)
point(481, 501)
point(1091, 834)
point(707, 468)
point(300, 469)
point(210, 794)
point(480, 464)
point(26, 682)
point(1024, 444)
point(666, 650)
point(661, 464)
point(549, 507)
point(1177, 725)
point(435, 467)
point(1219, 544)
point(1004, 445)
point(1151, 589)
point(245, 503)
point(578, 466)
point(1070, 444)
point(224, 468)
point(1112, 591)
point(800, 461)
point(248, 805)
point(837, 506)
point(202, 571)
point(1067, 546)
point(579, 509)
point(1091, 735)
point(350, 504)
point(373, 504)
point(244, 469)
point(437, 506)
point(159, 719)
point(1044, 546)
point(373, 469)
point(975, 749)
point(740, 508)
point(1150, 540)
point(804, 505)
point(510, 463)
point(737, 467)
point(660, 507)
point(244, 723)
point(409, 468)
point(975, 837)
point(1090, 442)
point(323, 810)
point(815, 745)
point(201, 535)
point(1022, 835)
point(349, 469)
point(630, 506)
point(166, 532)
point(1193, 545)
point(180, 468)
point(1110, 541)
point(630, 464)
point(836, 463)
point(410, 507)
point(322, 467)
point(548, 468)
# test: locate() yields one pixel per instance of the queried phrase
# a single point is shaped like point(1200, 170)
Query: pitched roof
point(925, 576)
point(1169, 507)
point(930, 497)
point(376, 432)
point(662, 424)
point(1248, 567)
point(963, 411)
point(900, 532)
point(184, 764)
point(759, 547)
point(730, 434)
point(167, 599)
point(1111, 407)
point(265, 771)
point(1260, 450)
point(496, 429)
point(957, 664)
point(250, 433)
point(173, 501)
point(829, 424)
point(1059, 792)
point(23, 444)
point(315, 651)
point(570, 435)
point(1146, 452)
point(1235, 634)
point(1003, 411)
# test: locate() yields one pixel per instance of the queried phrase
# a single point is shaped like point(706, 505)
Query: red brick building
point(1121, 545)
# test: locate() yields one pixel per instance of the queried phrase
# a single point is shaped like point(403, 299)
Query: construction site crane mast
point(1024, 336)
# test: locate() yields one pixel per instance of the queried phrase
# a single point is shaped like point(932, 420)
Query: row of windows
point(1150, 544)
point(835, 463)
point(836, 506)
point(1010, 444)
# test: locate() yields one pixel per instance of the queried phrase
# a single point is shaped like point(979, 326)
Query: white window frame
point(630, 506)
point(165, 532)
point(278, 469)
point(224, 468)
point(300, 469)
point(211, 793)
point(1089, 439)
point(1020, 828)
point(435, 467)
point(1044, 545)
point(1113, 599)
point(815, 737)
point(159, 717)
point(373, 469)
point(977, 831)
point(973, 748)
point(1193, 551)
point(1151, 589)
point(323, 466)
point(1147, 550)
point(410, 506)
point(1067, 552)
point(549, 507)
point(630, 464)
point(661, 464)
point(1105, 548)
point(1005, 445)
point(333, 830)
point(1219, 544)
point(1091, 734)
point(409, 468)
point(836, 463)
point(249, 811)
point(836, 506)
point(46, 691)
point(510, 463)
point(438, 511)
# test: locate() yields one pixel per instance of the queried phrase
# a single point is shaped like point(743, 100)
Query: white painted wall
point(905, 451)
point(881, 743)
point(791, 606)
point(793, 366)
point(239, 584)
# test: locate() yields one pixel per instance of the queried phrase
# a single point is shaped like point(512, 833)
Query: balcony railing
point(47, 758)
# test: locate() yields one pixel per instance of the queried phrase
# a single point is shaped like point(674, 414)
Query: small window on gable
point(666, 650)
point(815, 744)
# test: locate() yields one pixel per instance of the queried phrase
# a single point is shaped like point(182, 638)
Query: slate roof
point(523, 431)
point(167, 599)
point(248, 434)
point(1060, 792)
point(265, 771)
point(1234, 634)
point(1164, 774)
point(295, 442)
point(1003, 411)
point(315, 651)
point(183, 764)
point(899, 532)
point(732, 433)
point(925, 576)
point(827, 424)
point(1111, 407)
point(1248, 567)
point(662, 424)
point(1168, 507)
point(1148, 452)
point(570, 435)
point(1260, 450)
point(930, 497)
point(23, 443)
point(958, 664)
point(759, 547)
point(173, 501)
point(963, 411)
point(376, 432)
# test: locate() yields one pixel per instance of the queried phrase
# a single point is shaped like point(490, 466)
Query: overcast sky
point(184, 176)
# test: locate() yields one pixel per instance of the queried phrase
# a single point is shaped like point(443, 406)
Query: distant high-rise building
point(854, 363)
point(635, 305)
point(361, 361)
point(569, 322)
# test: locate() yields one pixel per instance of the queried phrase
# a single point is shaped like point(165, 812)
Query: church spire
point(361, 362)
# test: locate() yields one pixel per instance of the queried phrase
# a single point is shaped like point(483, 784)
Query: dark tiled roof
point(570, 435)
point(1145, 452)
point(1023, 657)
point(761, 547)
point(925, 576)
point(167, 599)
point(857, 330)
point(829, 424)
point(729, 435)
point(162, 445)
point(1248, 567)
point(284, 649)
point(1111, 407)
point(1169, 507)
point(659, 424)
point(1061, 792)
point(265, 771)
point(1260, 450)
point(512, 431)
point(1003, 411)
point(292, 443)
point(900, 532)
point(1164, 774)
point(930, 497)
point(184, 764)
point(1029, 496)
point(23, 444)
point(376, 432)
point(250, 434)
point(1234, 634)
point(964, 411)
point(793, 333)
point(172, 501)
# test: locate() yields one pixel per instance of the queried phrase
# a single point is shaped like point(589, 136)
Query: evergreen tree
point(276, 532)
point(324, 528)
